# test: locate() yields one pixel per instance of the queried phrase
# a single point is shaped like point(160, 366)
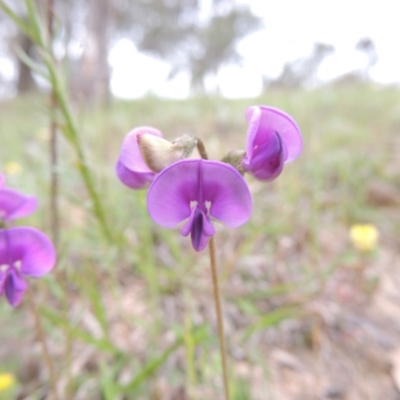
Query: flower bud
point(158, 153)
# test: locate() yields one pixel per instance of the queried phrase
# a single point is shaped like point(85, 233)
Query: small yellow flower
point(13, 168)
point(364, 236)
point(6, 381)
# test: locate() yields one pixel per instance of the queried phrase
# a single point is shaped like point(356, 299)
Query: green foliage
point(140, 303)
point(98, 278)
point(34, 27)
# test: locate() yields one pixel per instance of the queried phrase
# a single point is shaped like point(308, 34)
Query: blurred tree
point(91, 73)
point(367, 46)
point(177, 31)
point(303, 70)
point(218, 43)
point(158, 27)
point(11, 39)
point(25, 81)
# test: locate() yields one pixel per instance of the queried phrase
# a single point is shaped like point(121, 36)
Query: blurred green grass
point(296, 238)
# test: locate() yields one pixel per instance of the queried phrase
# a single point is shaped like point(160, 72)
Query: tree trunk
point(25, 82)
point(93, 75)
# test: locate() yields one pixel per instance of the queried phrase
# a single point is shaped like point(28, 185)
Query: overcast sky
point(291, 29)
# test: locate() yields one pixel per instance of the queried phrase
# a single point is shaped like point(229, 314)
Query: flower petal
point(184, 182)
point(227, 192)
point(172, 191)
point(2, 281)
point(267, 160)
point(131, 158)
point(200, 228)
point(14, 204)
point(1, 180)
point(14, 287)
point(187, 228)
point(134, 180)
point(30, 247)
point(264, 121)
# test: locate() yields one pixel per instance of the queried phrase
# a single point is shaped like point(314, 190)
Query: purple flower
point(131, 168)
point(23, 252)
point(273, 138)
point(198, 191)
point(1, 180)
point(14, 204)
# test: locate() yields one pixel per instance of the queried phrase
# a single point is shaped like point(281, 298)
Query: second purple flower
point(273, 139)
point(23, 252)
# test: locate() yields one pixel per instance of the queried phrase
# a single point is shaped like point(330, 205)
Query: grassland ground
point(308, 316)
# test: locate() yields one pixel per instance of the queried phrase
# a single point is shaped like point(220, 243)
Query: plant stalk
point(42, 339)
point(201, 149)
point(53, 149)
point(220, 322)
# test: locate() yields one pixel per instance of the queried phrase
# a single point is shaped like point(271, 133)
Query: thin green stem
point(71, 133)
point(220, 321)
point(42, 339)
point(33, 28)
point(53, 149)
point(217, 297)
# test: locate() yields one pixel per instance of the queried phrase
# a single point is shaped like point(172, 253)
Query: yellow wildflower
point(13, 168)
point(364, 236)
point(6, 381)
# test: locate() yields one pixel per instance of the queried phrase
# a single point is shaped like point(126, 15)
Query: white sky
point(291, 28)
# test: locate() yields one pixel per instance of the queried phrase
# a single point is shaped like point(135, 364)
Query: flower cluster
point(195, 192)
point(24, 251)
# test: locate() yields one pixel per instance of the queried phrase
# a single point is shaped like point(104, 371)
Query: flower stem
point(42, 339)
point(53, 149)
point(220, 322)
point(202, 149)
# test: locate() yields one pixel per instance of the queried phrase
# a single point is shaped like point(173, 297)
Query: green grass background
point(149, 280)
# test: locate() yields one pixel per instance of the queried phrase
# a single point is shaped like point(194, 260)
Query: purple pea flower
point(198, 191)
point(14, 205)
point(273, 138)
point(131, 169)
point(23, 252)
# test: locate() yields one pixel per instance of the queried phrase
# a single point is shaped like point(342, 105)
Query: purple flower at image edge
point(1, 180)
point(131, 169)
point(273, 139)
point(14, 204)
point(195, 192)
point(24, 252)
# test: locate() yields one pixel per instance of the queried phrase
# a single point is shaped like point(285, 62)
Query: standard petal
point(14, 204)
point(29, 247)
point(130, 155)
point(253, 116)
point(227, 192)
point(134, 180)
point(178, 186)
point(264, 121)
point(172, 191)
